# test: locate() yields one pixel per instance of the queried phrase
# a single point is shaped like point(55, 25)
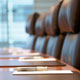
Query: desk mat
point(16, 63)
point(7, 56)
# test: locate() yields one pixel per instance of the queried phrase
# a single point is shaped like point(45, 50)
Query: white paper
point(27, 54)
point(44, 59)
point(33, 57)
point(43, 72)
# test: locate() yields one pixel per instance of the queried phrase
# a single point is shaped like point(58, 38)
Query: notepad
point(32, 57)
point(27, 54)
point(42, 72)
point(43, 59)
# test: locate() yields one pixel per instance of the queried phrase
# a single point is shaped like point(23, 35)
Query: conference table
point(6, 71)
point(6, 74)
point(14, 60)
point(16, 63)
point(11, 60)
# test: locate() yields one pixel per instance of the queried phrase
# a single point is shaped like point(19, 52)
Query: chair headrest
point(30, 26)
point(40, 25)
point(51, 20)
point(69, 16)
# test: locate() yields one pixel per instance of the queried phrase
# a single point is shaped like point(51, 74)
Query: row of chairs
point(56, 32)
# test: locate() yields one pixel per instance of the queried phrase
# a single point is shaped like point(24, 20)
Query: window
point(12, 23)
point(13, 15)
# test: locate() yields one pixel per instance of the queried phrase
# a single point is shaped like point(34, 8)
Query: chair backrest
point(42, 38)
point(30, 23)
point(30, 29)
point(30, 42)
point(56, 39)
point(69, 22)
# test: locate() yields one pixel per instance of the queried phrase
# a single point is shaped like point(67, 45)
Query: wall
point(43, 5)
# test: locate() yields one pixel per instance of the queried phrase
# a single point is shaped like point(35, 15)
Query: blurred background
point(13, 16)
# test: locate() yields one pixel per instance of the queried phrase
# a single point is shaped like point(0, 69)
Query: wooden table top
point(67, 67)
point(4, 58)
point(10, 56)
point(6, 74)
point(6, 70)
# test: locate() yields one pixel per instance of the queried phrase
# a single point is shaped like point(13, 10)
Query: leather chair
point(30, 29)
point(69, 22)
point(56, 39)
point(41, 44)
point(30, 26)
point(51, 20)
point(40, 25)
point(42, 38)
point(54, 46)
point(30, 43)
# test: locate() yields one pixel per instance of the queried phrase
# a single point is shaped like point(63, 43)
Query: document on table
point(32, 57)
point(42, 72)
point(42, 59)
point(27, 54)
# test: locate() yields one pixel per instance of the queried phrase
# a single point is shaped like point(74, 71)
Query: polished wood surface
point(6, 74)
point(67, 67)
point(11, 57)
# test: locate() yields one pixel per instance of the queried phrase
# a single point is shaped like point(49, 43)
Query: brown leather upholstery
point(56, 39)
point(69, 21)
point(40, 25)
point(51, 20)
point(71, 50)
point(69, 16)
point(54, 46)
point(30, 44)
point(30, 26)
point(42, 38)
point(41, 44)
